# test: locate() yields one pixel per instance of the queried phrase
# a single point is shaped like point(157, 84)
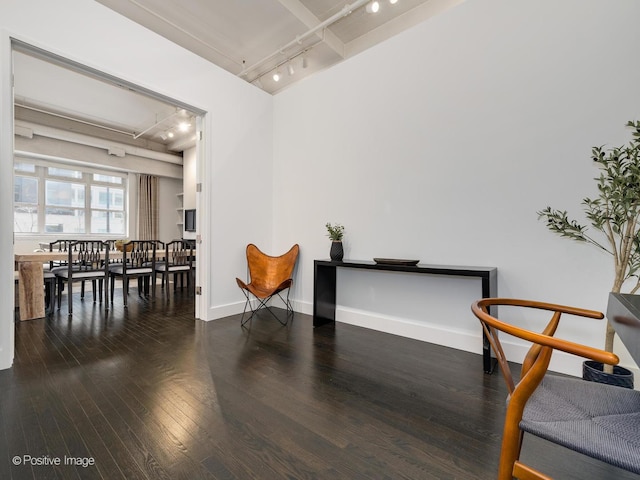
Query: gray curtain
point(148, 207)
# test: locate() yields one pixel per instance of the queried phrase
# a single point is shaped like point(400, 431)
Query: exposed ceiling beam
point(303, 14)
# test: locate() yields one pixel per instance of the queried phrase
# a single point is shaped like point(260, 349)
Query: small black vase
point(593, 371)
point(336, 253)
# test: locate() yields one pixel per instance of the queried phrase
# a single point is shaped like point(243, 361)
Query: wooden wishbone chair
point(597, 420)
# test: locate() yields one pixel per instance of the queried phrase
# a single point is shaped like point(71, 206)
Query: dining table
point(30, 268)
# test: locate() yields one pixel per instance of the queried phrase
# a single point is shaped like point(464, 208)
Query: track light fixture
point(276, 76)
point(290, 68)
point(373, 7)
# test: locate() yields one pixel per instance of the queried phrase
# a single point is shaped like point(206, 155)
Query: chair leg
point(247, 303)
point(70, 297)
point(50, 299)
point(511, 445)
point(105, 282)
point(262, 303)
point(287, 304)
point(60, 285)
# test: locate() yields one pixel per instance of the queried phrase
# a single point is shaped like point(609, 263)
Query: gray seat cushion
point(119, 269)
point(81, 275)
point(172, 268)
point(598, 420)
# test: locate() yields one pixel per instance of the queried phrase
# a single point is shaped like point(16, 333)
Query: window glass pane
point(66, 208)
point(64, 194)
point(107, 197)
point(107, 179)
point(64, 220)
point(25, 219)
point(107, 222)
point(63, 172)
point(24, 167)
point(25, 189)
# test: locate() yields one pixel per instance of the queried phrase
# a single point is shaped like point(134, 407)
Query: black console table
point(324, 287)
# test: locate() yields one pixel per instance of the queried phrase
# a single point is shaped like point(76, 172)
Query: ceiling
point(55, 94)
point(255, 38)
point(249, 38)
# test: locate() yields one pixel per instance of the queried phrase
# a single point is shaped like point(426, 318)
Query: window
point(62, 199)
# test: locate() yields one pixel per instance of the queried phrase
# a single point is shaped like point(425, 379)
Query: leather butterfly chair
point(268, 276)
point(597, 420)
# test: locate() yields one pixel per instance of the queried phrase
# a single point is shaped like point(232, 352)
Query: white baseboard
point(449, 337)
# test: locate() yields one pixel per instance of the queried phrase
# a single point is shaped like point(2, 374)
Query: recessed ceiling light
point(184, 126)
point(373, 7)
point(276, 77)
point(393, 2)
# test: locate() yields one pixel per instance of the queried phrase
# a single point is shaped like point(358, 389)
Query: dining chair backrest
point(138, 254)
point(178, 253)
point(87, 256)
point(59, 246)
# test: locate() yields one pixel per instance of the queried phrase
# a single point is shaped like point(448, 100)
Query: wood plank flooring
point(151, 393)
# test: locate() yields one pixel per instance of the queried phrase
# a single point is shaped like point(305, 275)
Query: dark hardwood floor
point(151, 393)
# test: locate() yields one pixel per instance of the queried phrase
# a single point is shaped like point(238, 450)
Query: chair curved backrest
point(266, 272)
point(546, 405)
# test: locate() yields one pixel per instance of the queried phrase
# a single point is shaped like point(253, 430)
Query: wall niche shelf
point(180, 212)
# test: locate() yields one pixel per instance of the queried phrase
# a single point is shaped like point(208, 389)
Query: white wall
point(238, 132)
point(442, 143)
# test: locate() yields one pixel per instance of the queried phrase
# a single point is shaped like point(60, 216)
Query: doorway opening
point(69, 116)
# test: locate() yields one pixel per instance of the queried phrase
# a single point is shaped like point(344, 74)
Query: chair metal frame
point(534, 368)
point(269, 276)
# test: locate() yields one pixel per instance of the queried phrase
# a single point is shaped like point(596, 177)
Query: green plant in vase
point(614, 214)
point(335, 234)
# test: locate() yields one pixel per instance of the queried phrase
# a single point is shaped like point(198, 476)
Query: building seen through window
point(57, 199)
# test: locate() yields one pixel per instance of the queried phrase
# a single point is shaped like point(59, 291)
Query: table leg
point(30, 290)
point(324, 295)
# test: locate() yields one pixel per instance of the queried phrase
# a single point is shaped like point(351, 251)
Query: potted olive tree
point(615, 215)
point(335, 234)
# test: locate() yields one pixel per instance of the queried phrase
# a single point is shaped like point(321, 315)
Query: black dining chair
point(139, 262)
point(178, 261)
point(87, 260)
